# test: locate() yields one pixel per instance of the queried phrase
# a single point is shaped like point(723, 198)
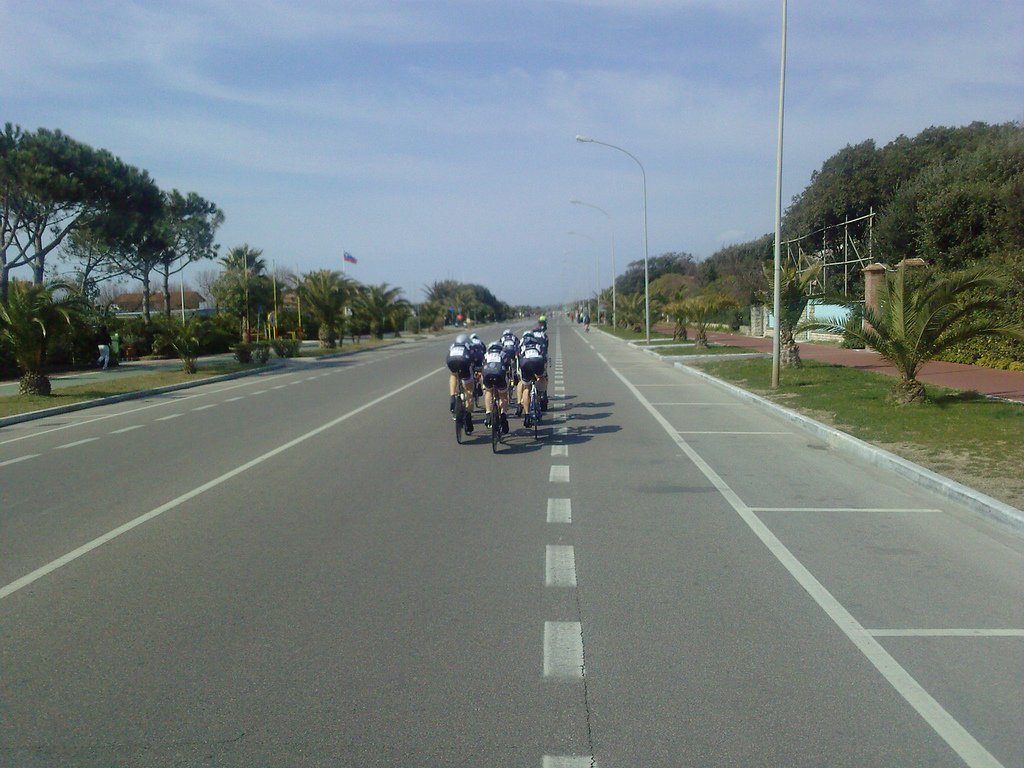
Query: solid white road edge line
point(955, 735)
point(60, 562)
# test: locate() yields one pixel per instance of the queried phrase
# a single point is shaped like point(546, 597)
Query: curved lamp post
point(615, 319)
point(647, 292)
point(597, 264)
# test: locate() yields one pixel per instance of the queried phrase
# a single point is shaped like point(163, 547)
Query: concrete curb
point(985, 506)
point(60, 409)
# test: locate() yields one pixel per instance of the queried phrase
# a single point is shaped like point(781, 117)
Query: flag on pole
point(350, 258)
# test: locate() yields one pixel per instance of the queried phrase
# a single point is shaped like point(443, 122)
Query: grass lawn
point(15, 404)
point(962, 435)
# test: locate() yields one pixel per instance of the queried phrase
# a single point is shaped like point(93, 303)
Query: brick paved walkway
point(986, 381)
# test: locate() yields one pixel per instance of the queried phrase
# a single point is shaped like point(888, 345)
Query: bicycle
point(460, 414)
point(494, 416)
point(535, 409)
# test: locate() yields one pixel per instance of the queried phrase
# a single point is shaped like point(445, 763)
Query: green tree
point(796, 292)
point(324, 295)
point(30, 317)
point(923, 312)
point(189, 225)
point(702, 310)
point(50, 185)
point(380, 307)
point(244, 286)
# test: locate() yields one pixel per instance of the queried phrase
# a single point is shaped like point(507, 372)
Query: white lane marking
point(563, 649)
point(561, 430)
point(944, 724)
point(559, 510)
point(77, 442)
point(567, 761)
point(733, 403)
point(559, 565)
point(60, 562)
point(162, 399)
point(258, 392)
point(232, 399)
point(280, 386)
point(879, 510)
point(168, 417)
point(122, 430)
point(559, 450)
point(946, 632)
point(26, 457)
point(684, 432)
point(559, 474)
point(205, 407)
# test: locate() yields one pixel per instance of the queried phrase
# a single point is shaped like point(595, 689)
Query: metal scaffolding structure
point(848, 251)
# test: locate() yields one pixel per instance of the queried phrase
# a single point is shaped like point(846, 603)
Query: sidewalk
point(993, 382)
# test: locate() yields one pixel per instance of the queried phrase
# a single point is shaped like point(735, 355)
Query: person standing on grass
point(103, 344)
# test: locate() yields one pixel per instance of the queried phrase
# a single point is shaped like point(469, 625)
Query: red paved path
point(987, 381)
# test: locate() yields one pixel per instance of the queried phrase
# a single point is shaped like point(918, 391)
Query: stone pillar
point(874, 279)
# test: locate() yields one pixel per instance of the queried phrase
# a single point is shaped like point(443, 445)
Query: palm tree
point(631, 311)
point(923, 313)
point(324, 295)
point(796, 292)
point(380, 306)
point(701, 310)
point(29, 317)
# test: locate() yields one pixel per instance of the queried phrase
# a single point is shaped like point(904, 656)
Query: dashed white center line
point(563, 649)
point(77, 442)
point(560, 511)
point(232, 399)
point(20, 458)
point(126, 429)
point(559, 474)
point(280, 386)
point(568, 761)
point(559, 566)
point(559, 450)
point(259, 392)
point(204, 407)
point(168, 417)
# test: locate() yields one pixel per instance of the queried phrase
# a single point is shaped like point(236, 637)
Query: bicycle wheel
point(535, 411)
point(460, 418)
point(495, 429)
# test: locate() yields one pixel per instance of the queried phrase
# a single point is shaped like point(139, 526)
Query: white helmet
point(462, 339)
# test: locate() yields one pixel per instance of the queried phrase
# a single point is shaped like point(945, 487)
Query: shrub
point(261, 352)
point(243, 352)
point(285, 347)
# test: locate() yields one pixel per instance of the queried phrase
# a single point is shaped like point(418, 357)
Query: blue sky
point(434, 139)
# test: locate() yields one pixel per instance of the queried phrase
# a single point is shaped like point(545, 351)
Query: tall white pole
point(777, 331)
point(615, 323)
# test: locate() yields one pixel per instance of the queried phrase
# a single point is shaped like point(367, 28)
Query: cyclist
point(460, 363)
point(532, 363)
point(495, 381)
point(542, 322)
point(476, 352)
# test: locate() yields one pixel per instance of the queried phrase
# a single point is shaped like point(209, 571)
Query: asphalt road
point(303, 568)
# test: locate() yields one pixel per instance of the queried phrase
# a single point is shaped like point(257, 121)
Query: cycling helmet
point(462, 339)
point(474, 337)
point(543, 318)
point(495, 346)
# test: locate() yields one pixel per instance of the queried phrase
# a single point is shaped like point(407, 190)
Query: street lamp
point(615, 320)
point(647, 291)
point(777, 331)
point(597, 262)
